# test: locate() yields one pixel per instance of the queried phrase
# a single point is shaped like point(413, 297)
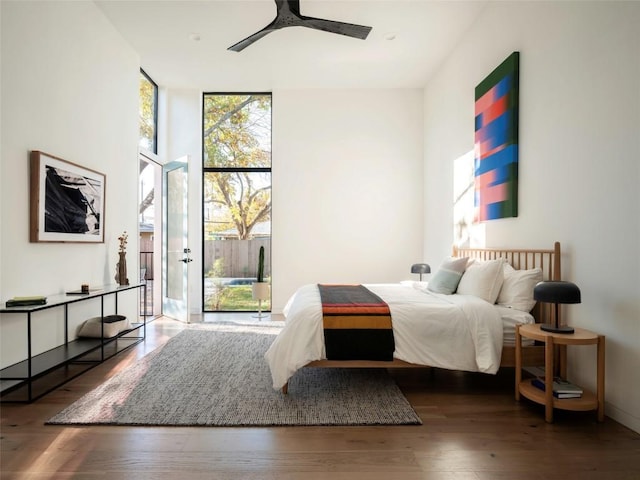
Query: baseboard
point(622, 417)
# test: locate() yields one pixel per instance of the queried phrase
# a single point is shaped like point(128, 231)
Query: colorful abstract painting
point(496, 142)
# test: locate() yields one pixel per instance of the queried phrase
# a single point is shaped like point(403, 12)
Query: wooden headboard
point(523, 259)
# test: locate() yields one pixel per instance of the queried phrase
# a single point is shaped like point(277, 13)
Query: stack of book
point(561, 388)
point(26, 301)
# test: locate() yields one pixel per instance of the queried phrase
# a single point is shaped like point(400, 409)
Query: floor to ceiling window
point(236, 139)
point(149, 181)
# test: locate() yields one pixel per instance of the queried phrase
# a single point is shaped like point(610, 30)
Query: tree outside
point(148, 93)
point(237, 137)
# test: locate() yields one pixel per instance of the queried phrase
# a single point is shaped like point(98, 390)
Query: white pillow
point(446, 279)
point(483, 280)
point(517, 289)
point(113, 325)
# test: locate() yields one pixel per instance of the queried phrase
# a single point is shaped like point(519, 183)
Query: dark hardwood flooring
point(473, 429)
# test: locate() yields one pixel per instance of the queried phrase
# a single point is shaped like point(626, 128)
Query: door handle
point(186, 260)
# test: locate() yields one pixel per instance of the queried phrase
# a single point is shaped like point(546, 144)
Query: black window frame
point(206, 170)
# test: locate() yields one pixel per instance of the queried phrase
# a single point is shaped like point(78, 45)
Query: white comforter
point(457, 332)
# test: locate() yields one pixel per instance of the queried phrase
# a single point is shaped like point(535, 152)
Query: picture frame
point(66, 201)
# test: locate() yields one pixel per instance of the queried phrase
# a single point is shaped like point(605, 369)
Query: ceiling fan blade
point(288, 15)
point(332, 26)
point(242, 44)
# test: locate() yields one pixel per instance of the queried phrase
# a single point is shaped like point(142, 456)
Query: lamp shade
point(420, 268)
point(556, 292)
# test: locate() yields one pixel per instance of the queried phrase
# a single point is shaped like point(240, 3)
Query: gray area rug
point(217, 376)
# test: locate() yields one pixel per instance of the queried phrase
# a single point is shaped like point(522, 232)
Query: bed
point(471, 330)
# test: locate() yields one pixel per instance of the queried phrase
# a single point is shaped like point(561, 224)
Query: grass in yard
point(235, 298)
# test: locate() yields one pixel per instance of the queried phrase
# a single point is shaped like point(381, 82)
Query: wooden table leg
point(549, 347)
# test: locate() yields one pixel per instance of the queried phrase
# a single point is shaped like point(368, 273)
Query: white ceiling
point(296, 57)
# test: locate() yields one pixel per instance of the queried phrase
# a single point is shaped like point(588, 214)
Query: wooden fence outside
point(240, 257)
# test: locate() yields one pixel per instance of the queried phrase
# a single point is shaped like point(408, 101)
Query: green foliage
point(229, 297)
point(240, 299)
point(237, 298)
point(220, 291)
point(237, 131)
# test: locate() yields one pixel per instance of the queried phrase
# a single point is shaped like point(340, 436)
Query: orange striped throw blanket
point(357, 324)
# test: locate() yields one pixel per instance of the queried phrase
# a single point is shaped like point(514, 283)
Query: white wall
point(69, 88)
point(347, 187)
point(579, 165)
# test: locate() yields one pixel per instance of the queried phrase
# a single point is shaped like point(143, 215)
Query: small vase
point(121, 269)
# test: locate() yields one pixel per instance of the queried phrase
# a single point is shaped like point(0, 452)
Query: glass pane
point(237, 222)
point(237, 131)
point(148, 117)
point(175, 233)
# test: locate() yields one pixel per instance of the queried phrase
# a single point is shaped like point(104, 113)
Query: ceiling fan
point(288, 15)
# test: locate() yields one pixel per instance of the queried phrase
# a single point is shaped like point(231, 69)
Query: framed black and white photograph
point(66, 201)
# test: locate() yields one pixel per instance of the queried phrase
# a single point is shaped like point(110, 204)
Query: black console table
point(38, 375)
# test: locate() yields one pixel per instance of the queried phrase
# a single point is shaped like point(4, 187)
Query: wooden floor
point(473, 429)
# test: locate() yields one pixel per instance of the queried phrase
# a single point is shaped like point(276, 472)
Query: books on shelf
point(561, 388)
point(26, 301)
